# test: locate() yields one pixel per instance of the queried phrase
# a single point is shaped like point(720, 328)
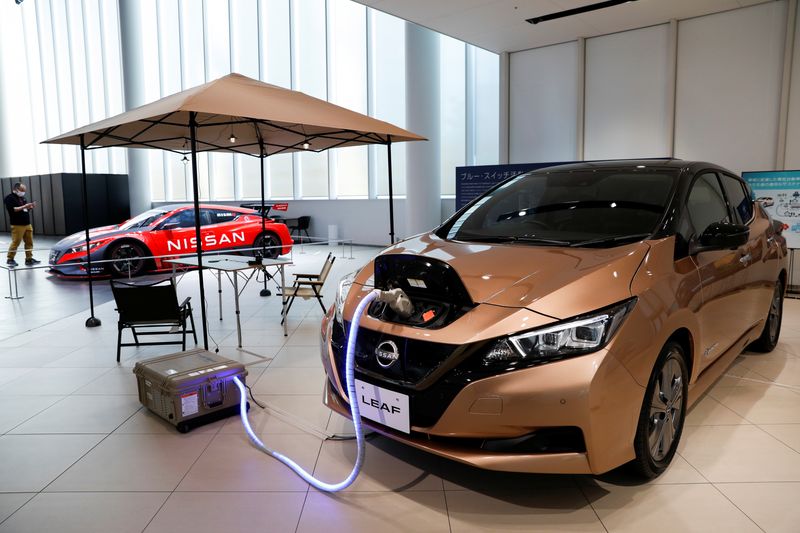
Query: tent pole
point(391, 192)
point(262, 159)
point(92, 321)
point(196, 187)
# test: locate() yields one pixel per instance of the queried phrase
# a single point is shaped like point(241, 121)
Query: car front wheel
point(663, 412)
point(126, 259)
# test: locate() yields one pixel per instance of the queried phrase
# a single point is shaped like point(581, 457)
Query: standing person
point(21, 229)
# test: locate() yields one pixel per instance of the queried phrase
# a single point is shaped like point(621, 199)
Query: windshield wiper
point(512, 238)
point(610, 240)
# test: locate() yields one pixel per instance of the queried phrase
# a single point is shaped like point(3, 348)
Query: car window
point(738, 198)
point(183, 219)
point(578, 208)
point(143, 220)
point(218, 216)
point(706, 203)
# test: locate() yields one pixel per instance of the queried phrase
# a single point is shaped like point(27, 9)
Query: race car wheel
point(126, 259)
point(271, 242)
point(772, 327)
point(663, 413)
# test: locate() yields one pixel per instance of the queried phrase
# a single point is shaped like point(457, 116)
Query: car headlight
point(82, 247)
point(577, 336)
point(341, 294)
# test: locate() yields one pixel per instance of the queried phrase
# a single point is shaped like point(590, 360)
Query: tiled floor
point(78, 453)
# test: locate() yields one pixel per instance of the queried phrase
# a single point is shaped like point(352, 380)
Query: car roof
point(175, 207)
point(629, 164)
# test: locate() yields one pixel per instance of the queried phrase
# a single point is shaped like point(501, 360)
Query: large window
point(69, 72)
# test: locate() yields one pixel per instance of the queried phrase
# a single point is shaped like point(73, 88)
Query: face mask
point(21, 194)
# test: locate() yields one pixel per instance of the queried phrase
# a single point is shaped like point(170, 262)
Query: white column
point(504, 106)
point(423, 179)
point(133, 80)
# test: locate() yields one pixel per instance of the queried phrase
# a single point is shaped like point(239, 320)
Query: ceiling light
point(577, 11)
point(233, 138)
point(306, 145)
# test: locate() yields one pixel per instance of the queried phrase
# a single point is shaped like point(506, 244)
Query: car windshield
point(594, 207)
point(145, 219)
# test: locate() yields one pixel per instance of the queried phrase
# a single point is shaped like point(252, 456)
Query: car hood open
point(559, 282)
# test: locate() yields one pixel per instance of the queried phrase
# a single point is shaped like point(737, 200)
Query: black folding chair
point(301, 226)
point(151, 305)
point(308, 285)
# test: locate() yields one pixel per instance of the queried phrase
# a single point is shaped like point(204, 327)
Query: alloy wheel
point(666, 408)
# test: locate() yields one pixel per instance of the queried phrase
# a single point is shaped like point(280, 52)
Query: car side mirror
point(169, 225)
point(720, 236)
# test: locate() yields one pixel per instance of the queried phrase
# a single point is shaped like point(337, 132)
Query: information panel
point(473, 181)
point(781, 188)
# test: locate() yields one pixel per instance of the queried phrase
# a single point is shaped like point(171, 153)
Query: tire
point(268, 240)
point(772, 326)
point(126, 254)
point(663, 413)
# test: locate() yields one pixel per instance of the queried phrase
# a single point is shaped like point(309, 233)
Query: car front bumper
point(593, 393)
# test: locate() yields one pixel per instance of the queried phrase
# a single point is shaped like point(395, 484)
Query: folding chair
point(150, 304)
point(308, 286)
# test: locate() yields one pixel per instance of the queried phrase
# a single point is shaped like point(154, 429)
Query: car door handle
point(745, 259)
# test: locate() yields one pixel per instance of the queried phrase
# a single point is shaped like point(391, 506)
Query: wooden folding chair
point(308, 286)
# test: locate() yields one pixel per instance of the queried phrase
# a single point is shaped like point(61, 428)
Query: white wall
point(726, 96)
point(627, 99)
point(729, 81)
point(543, 109)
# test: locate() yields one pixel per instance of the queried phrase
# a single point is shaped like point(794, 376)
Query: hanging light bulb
point(233, 138)
point(306, 145)
point(185, 160)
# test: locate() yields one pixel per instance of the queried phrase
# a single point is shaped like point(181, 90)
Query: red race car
point(167, 230)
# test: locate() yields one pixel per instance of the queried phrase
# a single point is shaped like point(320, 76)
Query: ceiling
point(499, 25)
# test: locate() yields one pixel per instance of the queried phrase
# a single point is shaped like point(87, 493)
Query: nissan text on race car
point(163, 231)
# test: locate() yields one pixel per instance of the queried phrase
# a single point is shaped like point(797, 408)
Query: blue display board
point(782, 187)
point(473, 181)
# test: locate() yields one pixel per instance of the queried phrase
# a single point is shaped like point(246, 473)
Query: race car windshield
point(145, 219)
point(598, 208)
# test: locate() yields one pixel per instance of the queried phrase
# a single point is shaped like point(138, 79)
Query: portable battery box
point(191, 388)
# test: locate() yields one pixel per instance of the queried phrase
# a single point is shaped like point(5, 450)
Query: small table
point(235, 266)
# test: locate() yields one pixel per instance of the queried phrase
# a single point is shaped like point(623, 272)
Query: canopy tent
point(239, 115)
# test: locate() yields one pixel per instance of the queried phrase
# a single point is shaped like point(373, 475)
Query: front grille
point(418, 360)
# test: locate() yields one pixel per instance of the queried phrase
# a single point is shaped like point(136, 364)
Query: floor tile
point(242, 512)
point(145, 421)
point(10, 374)
point(738, 453)
point(678, 472)
point(12, 501)
point(18, 409)
point(290, 413)
point(759, 403)
point(30, 462)
point(536, 510)
point(709, 412)
point(667, 508)
point(86, 512)
point(290, 381)
point(386, 512)
point(82, 414)
point(232, 463)
point(51, 381)
point(773, 506)
point(114, 381)
point(789, 434)
point(298, 357)
point(134, 463)
point(381, 471)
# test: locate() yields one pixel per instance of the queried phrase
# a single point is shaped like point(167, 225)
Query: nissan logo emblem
point(387, 353)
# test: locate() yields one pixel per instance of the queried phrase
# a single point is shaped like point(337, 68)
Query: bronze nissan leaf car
point(566, 320)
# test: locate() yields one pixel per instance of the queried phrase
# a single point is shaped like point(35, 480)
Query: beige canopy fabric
point(242, 108)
